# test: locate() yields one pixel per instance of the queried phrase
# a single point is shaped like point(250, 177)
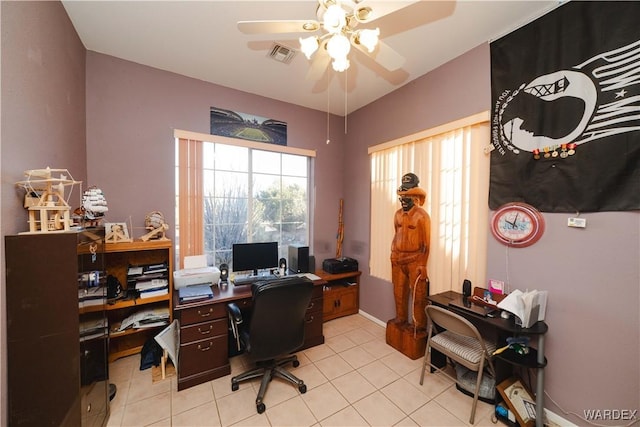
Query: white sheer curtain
point(454, 171)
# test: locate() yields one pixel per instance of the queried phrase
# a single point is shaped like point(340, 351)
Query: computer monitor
point(255, 256)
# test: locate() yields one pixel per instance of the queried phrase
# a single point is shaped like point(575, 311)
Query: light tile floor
point(353, 379)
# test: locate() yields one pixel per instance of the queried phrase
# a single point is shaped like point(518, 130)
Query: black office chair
point(275, 329)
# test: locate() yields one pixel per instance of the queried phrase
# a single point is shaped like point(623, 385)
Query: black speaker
point(299, 259)
point(224, 272)
point(466, 288)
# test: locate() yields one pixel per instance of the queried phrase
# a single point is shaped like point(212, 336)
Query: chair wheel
point(296, 363)
point(302, 388)
point(234, 386)
point(260, 408)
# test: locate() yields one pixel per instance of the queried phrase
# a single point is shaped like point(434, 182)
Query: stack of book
point(195, 293)
point(149, 280)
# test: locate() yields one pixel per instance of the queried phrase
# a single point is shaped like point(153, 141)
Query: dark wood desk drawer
point(313, 322)
point(205, 330)
point(202, 313)
point(204, 355)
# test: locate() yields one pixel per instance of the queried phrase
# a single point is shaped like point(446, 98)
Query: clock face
point(517, 224)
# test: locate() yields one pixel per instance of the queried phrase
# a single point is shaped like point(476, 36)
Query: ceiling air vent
point(281, 53)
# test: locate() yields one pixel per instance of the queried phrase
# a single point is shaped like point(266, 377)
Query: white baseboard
point(555, 420)
point(373, 319)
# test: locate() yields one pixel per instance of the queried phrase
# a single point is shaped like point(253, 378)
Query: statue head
point(409, 180)
point(407, 202)
point(410, 193)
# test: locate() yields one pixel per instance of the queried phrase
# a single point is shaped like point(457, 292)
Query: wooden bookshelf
point(118, 258)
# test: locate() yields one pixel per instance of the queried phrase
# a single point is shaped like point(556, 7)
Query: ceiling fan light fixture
point(362, 14)
point(368, 38)
point(309, 45)
point(338, 47)
point(334, 19)
point(311, 26)
point(340, 64)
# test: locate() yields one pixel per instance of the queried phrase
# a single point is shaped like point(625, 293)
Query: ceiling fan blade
point(319, 64)
point(268, 27)
point(378, 9)
point(384, 55)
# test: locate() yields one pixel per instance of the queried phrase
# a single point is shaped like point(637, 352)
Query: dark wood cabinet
point(341, 294)
point(57, 368)
point(313, 327)
point(203, 343)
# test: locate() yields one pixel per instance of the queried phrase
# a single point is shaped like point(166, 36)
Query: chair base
point(267, 370)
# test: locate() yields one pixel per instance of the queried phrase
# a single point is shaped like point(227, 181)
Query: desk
point(204, 331)
point(535, 359)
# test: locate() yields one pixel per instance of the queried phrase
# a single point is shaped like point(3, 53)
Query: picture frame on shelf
point(116, 232)
point(519, 401)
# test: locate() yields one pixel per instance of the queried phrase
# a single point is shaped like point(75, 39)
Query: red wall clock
point(517, 224)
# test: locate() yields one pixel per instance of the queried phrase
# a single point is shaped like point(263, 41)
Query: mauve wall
point(42, 116)
point(132, 111)
point(43, 100)
point(592, 275)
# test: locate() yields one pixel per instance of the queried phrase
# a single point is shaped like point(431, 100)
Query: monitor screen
point(255, 256)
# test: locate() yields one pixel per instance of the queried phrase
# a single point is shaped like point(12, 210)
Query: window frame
point(458, 236)
point(190, 241)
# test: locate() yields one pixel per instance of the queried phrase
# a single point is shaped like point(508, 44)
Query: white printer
point(196, 272)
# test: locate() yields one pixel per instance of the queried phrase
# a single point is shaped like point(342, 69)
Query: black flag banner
point(565, 123)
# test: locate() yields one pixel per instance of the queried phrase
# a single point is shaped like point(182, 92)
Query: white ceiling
point(200, 39)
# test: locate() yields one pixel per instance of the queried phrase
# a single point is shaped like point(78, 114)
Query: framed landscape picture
point(246, 126)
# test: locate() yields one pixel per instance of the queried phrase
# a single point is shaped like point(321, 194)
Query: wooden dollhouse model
point(49, 210)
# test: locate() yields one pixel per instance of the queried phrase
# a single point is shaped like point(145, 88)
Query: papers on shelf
point(309, 276)
point(195, 292)
point(153, 284)
point(148, 318)
point(88, 297)
point(95, 328)
point(152, 288)
point(528, 307)
point(154, 293)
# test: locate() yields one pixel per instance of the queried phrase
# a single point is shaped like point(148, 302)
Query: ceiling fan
point(340, 25)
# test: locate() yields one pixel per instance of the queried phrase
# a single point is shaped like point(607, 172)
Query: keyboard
point(249, 280)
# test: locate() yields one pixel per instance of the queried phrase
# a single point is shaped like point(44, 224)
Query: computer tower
point(299, 259)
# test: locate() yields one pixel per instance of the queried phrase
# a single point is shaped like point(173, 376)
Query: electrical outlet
point(577, 222)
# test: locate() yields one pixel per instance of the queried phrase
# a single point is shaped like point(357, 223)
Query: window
point(454, 171)
point(234, 191)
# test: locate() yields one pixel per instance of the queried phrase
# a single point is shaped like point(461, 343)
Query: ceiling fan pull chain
point(346, 91)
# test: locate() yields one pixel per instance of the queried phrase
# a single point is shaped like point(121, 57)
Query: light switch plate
point(577, 222)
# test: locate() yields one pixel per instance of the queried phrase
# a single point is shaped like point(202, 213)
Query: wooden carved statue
point(409, 255)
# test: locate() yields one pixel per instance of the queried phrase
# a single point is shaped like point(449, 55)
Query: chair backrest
point(278, 316)
point(451, 321)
